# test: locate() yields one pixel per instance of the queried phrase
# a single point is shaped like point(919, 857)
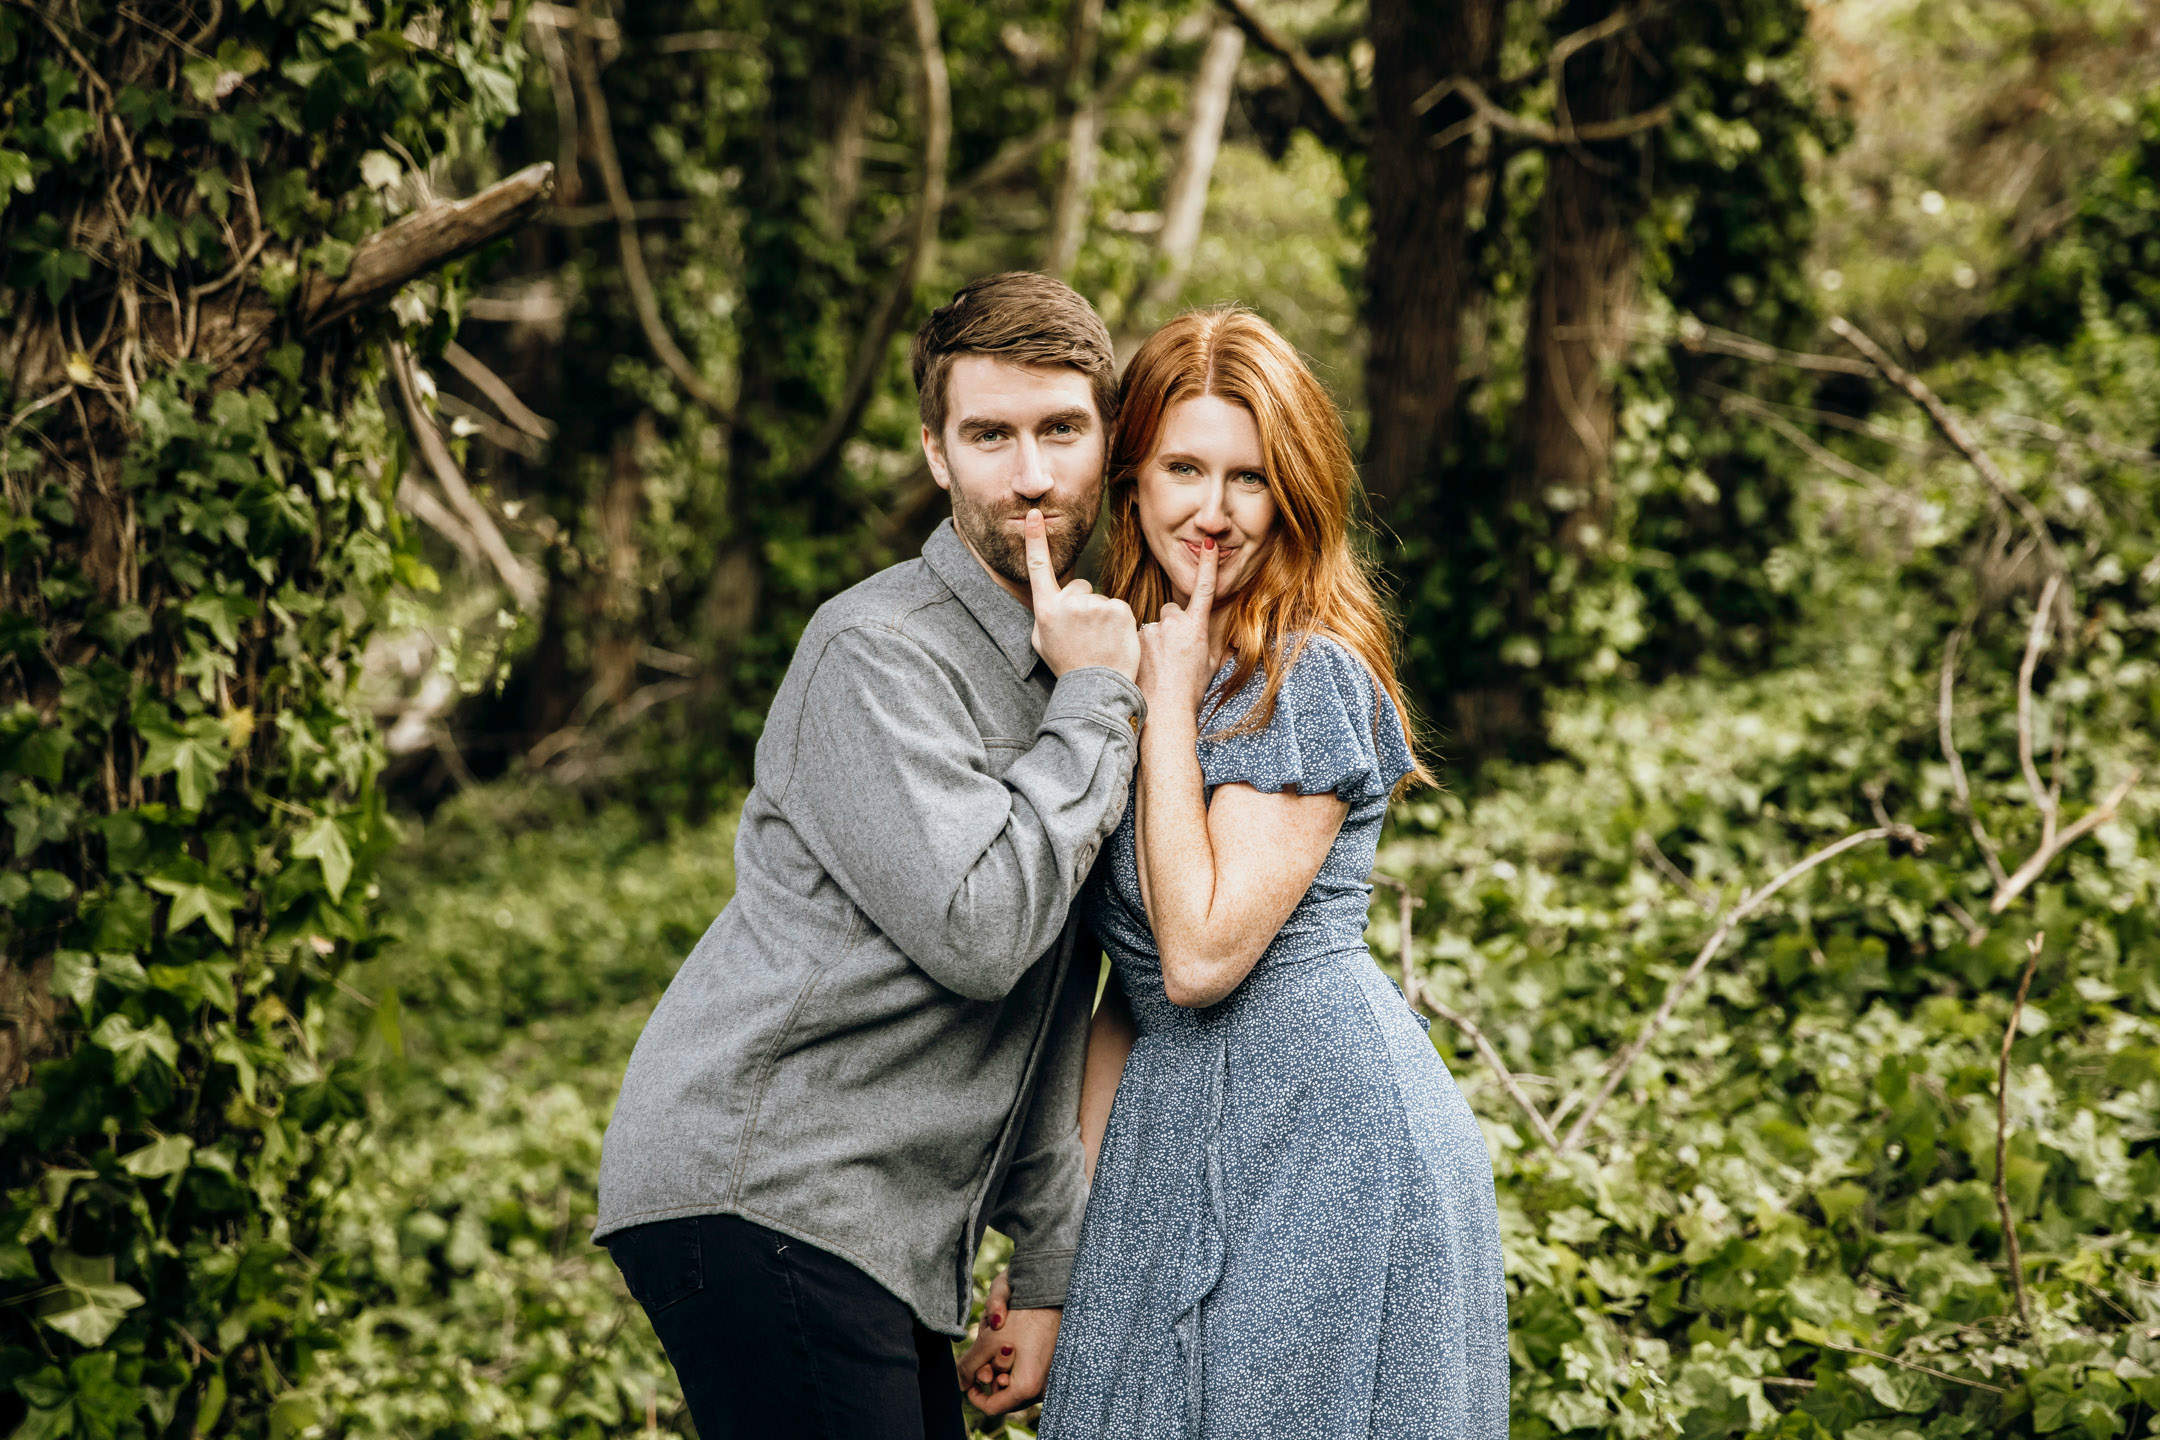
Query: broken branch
point(1617, 1070)
point(421, 241)
point(516, 577)
point(1344, 132)
point(2002, 1130)
point(1958, 787)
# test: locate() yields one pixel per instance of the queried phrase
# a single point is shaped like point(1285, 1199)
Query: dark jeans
point(772, 1337)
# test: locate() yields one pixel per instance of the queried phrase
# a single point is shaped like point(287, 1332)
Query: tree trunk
point(1185, 198)
point(1076, 183)
point(1417, 268)
point(1578, 301)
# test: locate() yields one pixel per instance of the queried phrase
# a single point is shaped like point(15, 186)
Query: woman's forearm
point(1178, 854)
point(1110, 1041)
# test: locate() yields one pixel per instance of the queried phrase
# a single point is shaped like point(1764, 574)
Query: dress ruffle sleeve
point(1332, 731)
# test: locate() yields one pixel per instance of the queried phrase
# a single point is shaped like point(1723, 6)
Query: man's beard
point(1003, 546)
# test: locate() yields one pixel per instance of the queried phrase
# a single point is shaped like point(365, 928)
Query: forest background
point(428, 428)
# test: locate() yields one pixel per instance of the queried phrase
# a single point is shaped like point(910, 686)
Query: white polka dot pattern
point(1292, 1231)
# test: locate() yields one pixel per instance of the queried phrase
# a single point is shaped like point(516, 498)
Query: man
point(875, 1050)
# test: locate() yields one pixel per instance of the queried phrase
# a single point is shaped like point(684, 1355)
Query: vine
point(198, 535)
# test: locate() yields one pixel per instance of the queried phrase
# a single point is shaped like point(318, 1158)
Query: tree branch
point(1486, 114)
point(524, 587)
point(936, 99)
point(2002, 1131)
point(505, 400)
point(632, 254)
point(2040, 859)
point(1952, 429)
point(1958, 787)
point(1185, 197)
point(1501, 1072)
point(421, 241)
point(1342, 128)
point(2035, 642)
point(1648, 849)
point(1748, 905)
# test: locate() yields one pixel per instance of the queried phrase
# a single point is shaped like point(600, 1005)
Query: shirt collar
point(1009, 624)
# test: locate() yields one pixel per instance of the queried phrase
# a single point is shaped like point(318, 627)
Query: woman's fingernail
point(1004, 1349)
point(1208, 543)
point(997, 1322)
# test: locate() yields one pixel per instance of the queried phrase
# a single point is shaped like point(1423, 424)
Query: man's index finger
point(1041, 578)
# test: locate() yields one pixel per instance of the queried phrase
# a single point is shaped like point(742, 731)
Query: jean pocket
point(661, 1262)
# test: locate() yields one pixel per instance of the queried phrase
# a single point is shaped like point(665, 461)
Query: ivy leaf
point(161, 233)
point(18, 175)
point(131, 1045)
point(195, 754)
point(324, 843)
point(168, 1156)
point(222, 614)
point(91, 1303)
point(65, 131)
point(197, 895)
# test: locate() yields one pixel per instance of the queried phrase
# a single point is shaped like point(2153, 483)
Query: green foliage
point(197, 541)
point(470, 1299)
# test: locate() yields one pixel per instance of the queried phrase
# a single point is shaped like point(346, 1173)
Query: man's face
point(1019, 438)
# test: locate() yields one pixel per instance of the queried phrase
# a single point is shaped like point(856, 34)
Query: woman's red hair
point(1309, 581)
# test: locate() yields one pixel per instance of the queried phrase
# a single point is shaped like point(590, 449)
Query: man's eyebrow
point(1077, 415)
point(1073, 415)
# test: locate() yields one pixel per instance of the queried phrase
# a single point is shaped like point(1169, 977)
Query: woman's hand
point(1009, 1364)
point(1176, 656)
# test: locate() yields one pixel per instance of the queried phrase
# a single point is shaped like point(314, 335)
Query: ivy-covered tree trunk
point(198, 535)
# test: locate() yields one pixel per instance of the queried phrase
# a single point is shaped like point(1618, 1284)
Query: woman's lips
point(1222, 552)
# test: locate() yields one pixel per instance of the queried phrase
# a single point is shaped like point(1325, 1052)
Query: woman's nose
point(1213, 517)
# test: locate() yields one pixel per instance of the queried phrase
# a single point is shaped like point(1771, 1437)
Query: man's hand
point(1075, 627)
point(1009, 1363)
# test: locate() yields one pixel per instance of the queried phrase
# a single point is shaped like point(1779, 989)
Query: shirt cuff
point(1039, 1277)
point(1100, 694)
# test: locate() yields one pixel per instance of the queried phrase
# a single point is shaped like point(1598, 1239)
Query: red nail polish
point(997, 1322)
point(1004, 1349)
point(1208, 543)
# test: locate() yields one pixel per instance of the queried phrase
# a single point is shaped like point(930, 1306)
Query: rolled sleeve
point(969, 873)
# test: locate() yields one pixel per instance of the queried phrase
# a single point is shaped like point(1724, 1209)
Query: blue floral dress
point(1292, 1231)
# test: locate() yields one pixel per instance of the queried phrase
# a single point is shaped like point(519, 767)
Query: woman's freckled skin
point(1206, 480)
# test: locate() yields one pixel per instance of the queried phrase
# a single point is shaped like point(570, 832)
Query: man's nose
point(1032, 480)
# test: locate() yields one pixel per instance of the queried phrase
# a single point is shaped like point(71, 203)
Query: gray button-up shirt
point(877, 1046)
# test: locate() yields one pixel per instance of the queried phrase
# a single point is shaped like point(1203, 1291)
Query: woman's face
point(1206, 479)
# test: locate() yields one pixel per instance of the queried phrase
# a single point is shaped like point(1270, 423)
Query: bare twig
point(1958, 787)
point(488, 383)
point(1405, 934)
point(1500, 1070)
point(1486, 113)
point(419, 502)
point(631, 253)
point(2035, 642)
point(1748, 904)
point(2015, 1259)
point(1975, 932)
point(517, 577)
point(936, 101)
point(1647, 847)
point(1952, 429)
point(1694, 335)
point(1344, 131)
point(1737, 403)
point(2040, 859)
point(1913, 1365)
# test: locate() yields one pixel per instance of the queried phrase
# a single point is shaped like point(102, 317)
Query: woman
point(1292, 1229)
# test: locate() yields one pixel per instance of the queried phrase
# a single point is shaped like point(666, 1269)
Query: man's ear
point(934, 455)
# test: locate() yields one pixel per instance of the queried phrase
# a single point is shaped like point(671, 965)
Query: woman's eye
point(1251, 478)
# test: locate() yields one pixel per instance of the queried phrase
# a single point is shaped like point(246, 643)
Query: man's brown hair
point(1023, 319)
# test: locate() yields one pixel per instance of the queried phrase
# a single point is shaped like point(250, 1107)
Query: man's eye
point(988, 437)
point(1061, 428)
